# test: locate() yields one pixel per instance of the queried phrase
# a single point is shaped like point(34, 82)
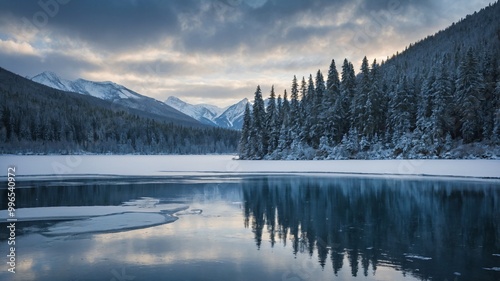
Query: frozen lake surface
point(170, 165)
point(255, 227)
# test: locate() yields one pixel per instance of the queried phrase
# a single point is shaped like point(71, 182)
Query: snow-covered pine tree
point(442, 98)
point(424, 106)
point(303, 97)
point(489, 69)
point(295, 116)
point(318, 116)
point(307, 105)
point(286, 110)
point(332, 95)
point(373, 108)
point(400, 104)
point(272, 122)
point(358, 110)
point(258, 135)
point(342, 106)
point(285, 134)
point(469, 93)
point(279, 109)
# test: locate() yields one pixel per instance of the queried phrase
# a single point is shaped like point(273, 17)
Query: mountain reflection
point(429, 228)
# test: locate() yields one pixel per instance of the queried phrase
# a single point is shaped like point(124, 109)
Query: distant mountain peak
point(47, 74)
point(110, 91)
point(229, 117)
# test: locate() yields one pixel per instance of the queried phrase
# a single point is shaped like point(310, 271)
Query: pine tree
point(307, 105)
point(258, 134)
point(341, 110)
point(318, 116)
point(286, 111)
point(272, 122)
point(441, 97)
point(489, 69)
point(470, 88)
point(332, 95)
point(358, 110)
point(285, 134)
point(294, 98)
point(295, 115)
point(400, 110)
point(373, 107)
point(424, 107)
point(279, 109)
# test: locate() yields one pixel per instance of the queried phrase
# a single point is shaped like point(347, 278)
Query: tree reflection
point(428, 228)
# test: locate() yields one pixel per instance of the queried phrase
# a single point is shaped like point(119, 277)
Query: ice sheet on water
point(162, 165)
point(135, 214)
point(82, 212)
point(110, 223)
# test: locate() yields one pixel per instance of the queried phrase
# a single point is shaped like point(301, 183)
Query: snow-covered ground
point(179, 165)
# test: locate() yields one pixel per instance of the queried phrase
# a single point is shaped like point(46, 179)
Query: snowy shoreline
point(63, 166)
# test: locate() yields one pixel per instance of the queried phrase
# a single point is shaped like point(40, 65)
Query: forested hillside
point(38, 119)
point(440, 98)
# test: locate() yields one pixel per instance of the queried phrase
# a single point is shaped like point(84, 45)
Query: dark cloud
point(29, 65)
point(223, 25)
point(111, 24)
point(246, 37)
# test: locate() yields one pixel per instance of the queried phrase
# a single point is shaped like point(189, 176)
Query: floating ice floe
point(110, 223)
point(140, 213)
point(411, 256)
point(492, 268)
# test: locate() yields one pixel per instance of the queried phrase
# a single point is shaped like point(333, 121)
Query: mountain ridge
point(37, 119)
point(229, 117)
point(118, 94)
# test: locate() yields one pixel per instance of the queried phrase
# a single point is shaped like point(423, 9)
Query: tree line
point(38, 119)
point(418, 104)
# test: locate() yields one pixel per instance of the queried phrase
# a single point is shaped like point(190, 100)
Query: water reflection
point(113, 192)
point(272, 228)
point(431, 229)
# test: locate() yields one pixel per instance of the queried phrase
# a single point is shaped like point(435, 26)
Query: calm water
point(270, 228)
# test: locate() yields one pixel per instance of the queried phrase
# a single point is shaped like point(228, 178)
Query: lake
point(261, 228)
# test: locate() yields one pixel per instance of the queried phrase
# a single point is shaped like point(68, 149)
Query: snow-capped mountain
point(204, 113)
point(229, 117)
point(233, 116)
point(117, 94)
point(103, 90)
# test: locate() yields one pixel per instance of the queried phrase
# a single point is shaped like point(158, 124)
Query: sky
point(211, 51)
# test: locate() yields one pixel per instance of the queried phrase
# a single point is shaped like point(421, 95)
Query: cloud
point(228, 44)
point(67, 66)
point(17, 48)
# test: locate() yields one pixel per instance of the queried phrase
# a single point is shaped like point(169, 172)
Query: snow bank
point(171, 165)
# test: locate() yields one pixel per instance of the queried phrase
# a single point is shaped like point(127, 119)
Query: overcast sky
point(211, 51)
